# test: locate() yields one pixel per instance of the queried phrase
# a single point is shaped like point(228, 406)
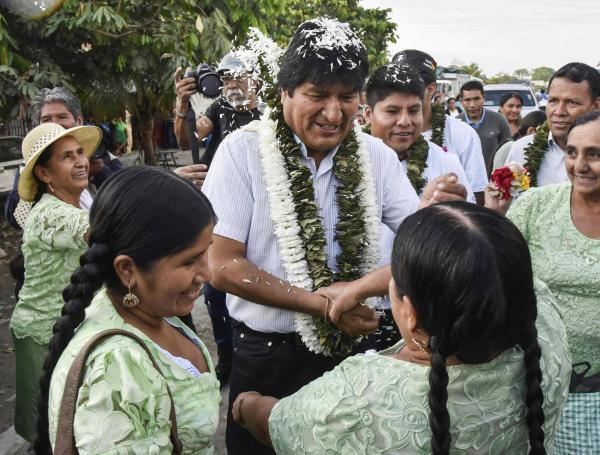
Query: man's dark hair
point(472, 85)
point(323, 51)
point(391, 79)
point(579, 72)
point(592, 116)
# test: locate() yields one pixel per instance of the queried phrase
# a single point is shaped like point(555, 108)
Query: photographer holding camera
point(235, 108)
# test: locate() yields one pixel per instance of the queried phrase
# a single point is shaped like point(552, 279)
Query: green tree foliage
point(472, 68)
point(500, 78)
point(24, 69)
point(116, 53)
point(542, 73)
point(521, 73)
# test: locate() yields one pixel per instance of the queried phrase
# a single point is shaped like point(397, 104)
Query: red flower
point(503, 178)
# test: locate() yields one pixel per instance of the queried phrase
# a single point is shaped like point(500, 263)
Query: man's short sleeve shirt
point(236, 188)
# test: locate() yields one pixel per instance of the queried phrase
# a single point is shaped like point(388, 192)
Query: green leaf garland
point(438, 123)
point(416, 162)
point(535, 152)
point(350, 230)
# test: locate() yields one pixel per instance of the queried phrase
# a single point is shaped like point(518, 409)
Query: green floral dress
point(53, 240)
point(123, 406)
point(567, 261)
point(376, 404)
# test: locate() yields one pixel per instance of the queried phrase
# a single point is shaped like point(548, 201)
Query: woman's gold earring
point(420, 344)
point(50, 187)
point(130, 300)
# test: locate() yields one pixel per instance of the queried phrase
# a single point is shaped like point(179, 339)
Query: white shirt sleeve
point(228, 186)
point(453, 165)
point(440, 162)
point(517, 151)
point(398, 197)
point(463, 141)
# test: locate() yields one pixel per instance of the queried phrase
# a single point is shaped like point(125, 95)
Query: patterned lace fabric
point(376, 404)
point(53, 240)
point(567, 261)
point(123, 406)
point(183, 363)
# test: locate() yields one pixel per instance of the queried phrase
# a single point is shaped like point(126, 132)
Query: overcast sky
point(498, 35)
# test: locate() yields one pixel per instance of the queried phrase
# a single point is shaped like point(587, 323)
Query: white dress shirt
point(552, 168)
point(236, 188)
point(462, 140)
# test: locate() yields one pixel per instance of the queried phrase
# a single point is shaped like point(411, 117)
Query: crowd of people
point(371, 288)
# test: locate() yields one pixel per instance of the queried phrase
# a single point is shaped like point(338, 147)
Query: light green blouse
point(567, 261)
point(53, 240)
point(123, 406)
point(375, 404)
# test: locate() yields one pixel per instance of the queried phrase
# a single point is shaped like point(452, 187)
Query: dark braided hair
point(144, 212)
point(467, 271)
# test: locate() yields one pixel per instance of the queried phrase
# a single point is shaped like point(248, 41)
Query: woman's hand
point(251, 410)
point(236, 408)
point(494, 200)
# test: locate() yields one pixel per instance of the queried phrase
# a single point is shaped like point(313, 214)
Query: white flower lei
point(287, 228)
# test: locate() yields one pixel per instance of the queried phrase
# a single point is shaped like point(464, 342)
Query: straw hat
point(39, 139)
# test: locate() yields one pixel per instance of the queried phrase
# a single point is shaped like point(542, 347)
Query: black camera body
point(208, 82)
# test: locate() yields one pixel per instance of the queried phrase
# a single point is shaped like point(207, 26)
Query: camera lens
point(210, 85)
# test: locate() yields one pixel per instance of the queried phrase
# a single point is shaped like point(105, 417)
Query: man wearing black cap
point(447, 132)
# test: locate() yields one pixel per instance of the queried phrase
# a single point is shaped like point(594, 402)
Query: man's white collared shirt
point(236, 188)
point(552, 168)
point(463, 141)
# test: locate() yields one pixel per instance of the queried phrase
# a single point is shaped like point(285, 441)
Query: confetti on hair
point(330, 38)
point(261, 55)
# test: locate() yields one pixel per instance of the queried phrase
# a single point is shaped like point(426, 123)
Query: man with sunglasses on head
point(235, 108)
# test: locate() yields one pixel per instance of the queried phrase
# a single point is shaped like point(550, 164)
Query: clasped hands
point(346, 312)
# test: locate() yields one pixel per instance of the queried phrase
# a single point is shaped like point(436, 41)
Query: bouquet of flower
point(510, 180)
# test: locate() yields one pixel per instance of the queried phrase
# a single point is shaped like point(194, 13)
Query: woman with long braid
point(483, 366)
point(147, 259)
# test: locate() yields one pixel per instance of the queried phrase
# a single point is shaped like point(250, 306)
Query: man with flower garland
point(395, 113)
point(451, 134)
point(573, 90)
point(309, 196)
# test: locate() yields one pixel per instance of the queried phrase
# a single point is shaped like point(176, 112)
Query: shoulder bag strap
point(65, 437)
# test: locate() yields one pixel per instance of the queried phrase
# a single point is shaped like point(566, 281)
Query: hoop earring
point(50, 187)
point(420, 344)
point(130, 300)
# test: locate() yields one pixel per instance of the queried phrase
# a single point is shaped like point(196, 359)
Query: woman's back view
point(468, 376)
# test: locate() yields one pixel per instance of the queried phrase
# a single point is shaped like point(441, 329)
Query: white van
point(494, 93)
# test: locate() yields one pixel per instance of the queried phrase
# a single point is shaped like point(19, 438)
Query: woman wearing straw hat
point(55, 175)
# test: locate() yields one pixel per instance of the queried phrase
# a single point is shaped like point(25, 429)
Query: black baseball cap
point(418, 61)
